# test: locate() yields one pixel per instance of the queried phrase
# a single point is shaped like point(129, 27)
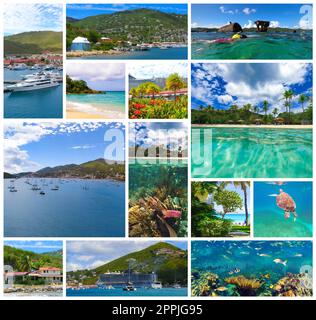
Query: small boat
point(176, 286)
point(56, 188)
point(156, 285)
point(13, 190)
point(42, 193)
point(129, 287)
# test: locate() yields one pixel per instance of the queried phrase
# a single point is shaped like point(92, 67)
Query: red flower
point(137, 113)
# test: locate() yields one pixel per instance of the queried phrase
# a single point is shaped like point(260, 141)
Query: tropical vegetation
point(145, 102)
point(206, 220)
point(79, 87)
point(258, 114)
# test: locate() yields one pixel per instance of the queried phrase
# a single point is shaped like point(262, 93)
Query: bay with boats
point(54, 207)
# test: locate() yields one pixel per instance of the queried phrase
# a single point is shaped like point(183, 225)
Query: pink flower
point(171, 213)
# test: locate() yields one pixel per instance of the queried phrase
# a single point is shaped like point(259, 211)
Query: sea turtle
point(286, 202)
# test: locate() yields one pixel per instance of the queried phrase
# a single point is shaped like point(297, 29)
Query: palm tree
point(288, 96)
point(174, 83)
point(152, 89)
point(244, 186)
point(275, 112)
point(256, 109)
point(141, 89)
point(24, 263)
point(247, 107)
point(265, 107)
point(302, 99)
point(133, 93)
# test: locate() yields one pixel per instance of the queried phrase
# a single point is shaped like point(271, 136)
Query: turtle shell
point(285, 202)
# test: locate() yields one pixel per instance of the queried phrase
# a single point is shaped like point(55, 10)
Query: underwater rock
point(244, 286)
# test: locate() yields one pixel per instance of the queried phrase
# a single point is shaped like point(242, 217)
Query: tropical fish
point(221, 289)
point(279, 261)
point(171, 213)
point(263, 255)
point(266, 276)
point(225, 257)
point(258, 249)
point(298, 255)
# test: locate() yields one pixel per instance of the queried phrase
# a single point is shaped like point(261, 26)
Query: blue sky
point(158, 133)
point(30, 147)
point(221, 85)
point(24, 17)
point(37, 246)
point(91, 254)
point(99, 76)
point(279, 15)
point(80, 11)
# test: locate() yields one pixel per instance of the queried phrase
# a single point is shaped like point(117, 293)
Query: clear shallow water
point(154, 53)
point(110, 105)
point(252, 153)
point(271, 45)
point(97, 292)
point(236, 217)
point(254, 259)
point(269, 219)
point(44, 103)
point(69, 212)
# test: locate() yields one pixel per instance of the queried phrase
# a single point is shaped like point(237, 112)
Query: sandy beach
point(266, 126)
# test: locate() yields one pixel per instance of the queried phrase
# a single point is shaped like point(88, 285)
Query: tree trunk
point(246, 206)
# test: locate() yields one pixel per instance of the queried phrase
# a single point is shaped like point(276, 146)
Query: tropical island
point(134, 29)
point(161, 97)
point(220, 209)
point(96, 169)
point(162, 262)
point(33, 273)
point(79, 87)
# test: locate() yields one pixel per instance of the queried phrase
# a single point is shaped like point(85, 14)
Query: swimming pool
point(230, 152)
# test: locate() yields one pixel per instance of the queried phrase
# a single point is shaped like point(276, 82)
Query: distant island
point(96, 169)
point(166, 260)
point(79, 87)
point(33, 42)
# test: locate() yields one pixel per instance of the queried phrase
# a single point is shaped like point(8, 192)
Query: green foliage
point(137, 26)
point(213, 227)
point(34, 42)
point(174, 83)
point(25, 261)
point(230, 200)
point(79, 87)
point(168, 266)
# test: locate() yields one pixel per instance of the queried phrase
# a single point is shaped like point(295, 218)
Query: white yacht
point(156, 285)
point(33, 83)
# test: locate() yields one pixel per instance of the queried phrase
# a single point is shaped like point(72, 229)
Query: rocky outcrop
point(262, 26)
point(231, 27)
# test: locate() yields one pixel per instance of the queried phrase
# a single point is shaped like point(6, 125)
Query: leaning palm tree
point(302, 99)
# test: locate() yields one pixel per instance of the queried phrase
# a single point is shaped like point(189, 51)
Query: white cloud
point(225, 99)
point(19, 17)
point(223, 10)
point(306, 24)
point(96, 71)
point(248, 11)
point(250, 24)
point(274, 24)
point(86, 146)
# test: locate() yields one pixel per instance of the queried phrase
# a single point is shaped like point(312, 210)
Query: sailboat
point(129, 286)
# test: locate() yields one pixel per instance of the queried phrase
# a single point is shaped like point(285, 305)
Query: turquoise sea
point(80, 208)
point(44, 103)
point(270, 45)
point(251, 268)
point(269, 219)
point(180, 53)
point(140, 292)
point(110, 105)
point(251, 153)
point(237, 218)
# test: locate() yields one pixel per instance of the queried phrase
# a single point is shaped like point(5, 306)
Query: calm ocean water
point(110, 105)
point(45, 103)
point(236, 152)
point(236, 217)
point(271, 45)
point(269, 219)
point(95, 292)
point(154, 53)
point(72, 211)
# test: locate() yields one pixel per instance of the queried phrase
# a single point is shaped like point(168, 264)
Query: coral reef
point(205, 284)
point(244, 286)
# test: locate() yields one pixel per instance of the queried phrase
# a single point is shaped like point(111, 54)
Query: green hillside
point(168, 261)
point(34, 42)
point(22, 260)
point(140, 25)
point(96, 169)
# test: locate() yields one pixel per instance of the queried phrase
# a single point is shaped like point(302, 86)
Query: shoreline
point(264, 126)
